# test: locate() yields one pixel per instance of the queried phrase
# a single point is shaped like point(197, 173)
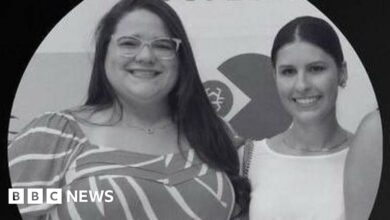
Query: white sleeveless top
point(287, 187)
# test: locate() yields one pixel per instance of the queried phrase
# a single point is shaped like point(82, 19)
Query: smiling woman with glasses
point(146, 132)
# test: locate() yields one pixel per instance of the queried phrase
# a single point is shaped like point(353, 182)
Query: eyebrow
point(127, 36)
point(285, 66)
point(139, 37)
point(311, 63)
point(317, 62)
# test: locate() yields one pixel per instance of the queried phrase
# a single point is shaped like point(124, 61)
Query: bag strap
point(247, 157)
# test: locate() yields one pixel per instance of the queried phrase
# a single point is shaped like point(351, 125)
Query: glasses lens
point(129, 45)
point(164, 48)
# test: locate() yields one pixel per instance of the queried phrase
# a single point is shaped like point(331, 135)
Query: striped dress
point(53, 152)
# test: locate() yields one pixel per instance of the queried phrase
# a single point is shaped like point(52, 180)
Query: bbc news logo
point(55, 196)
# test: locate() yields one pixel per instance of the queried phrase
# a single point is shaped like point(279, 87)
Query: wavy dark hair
point(190, 108)
point(312, 30)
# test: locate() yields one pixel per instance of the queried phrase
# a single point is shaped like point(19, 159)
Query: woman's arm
point(39, 156)
point(363, 168)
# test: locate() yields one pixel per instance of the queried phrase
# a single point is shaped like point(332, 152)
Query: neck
point(314, 136)
point(145, 114)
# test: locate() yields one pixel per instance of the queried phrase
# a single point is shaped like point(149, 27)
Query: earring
point(343, 84)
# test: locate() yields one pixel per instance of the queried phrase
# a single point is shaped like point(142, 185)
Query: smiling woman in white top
point(298, 174)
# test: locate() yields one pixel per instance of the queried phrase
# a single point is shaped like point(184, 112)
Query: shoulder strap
point(247, 157)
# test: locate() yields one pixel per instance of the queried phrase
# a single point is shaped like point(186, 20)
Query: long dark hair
point(191, 110)
point(312, 30)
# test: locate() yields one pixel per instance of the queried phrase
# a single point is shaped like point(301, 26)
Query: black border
point(363, 23)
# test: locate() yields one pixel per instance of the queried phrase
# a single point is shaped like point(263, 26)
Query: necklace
point(323, 149)
point(150, 130)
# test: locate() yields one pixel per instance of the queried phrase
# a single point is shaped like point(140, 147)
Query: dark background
point(364, 23)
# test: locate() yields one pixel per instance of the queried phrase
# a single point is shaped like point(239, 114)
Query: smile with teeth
point(306, 100)
point(144, 74)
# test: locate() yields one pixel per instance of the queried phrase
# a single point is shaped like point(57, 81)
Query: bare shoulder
point(370, 127)
point(371, 121)
point(368, 136)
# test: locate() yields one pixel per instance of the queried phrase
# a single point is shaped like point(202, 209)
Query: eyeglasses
point(163, 48)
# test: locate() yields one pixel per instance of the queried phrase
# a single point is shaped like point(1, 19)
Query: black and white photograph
point(195, 109)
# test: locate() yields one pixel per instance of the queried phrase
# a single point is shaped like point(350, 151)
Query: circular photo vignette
point(250, 110)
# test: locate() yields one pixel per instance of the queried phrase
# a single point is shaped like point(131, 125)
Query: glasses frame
point(149, 44)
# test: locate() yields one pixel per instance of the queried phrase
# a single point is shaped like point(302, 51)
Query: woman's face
point(307, 79)
point(142, 77)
